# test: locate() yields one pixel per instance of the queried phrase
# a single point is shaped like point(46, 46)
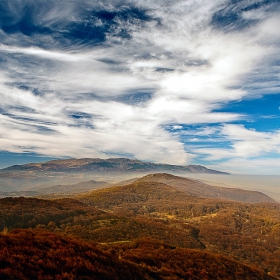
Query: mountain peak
point(198, 188)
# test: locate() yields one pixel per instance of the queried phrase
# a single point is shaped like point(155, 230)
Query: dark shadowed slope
point(27, 254)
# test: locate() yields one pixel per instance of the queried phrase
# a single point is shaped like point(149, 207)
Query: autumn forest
point(151, 228)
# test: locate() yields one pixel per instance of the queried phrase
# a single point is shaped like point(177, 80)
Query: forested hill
point(27, 254)
point(198, 188)
point(245, 232)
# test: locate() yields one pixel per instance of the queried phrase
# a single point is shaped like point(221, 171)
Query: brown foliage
point(27, 254)
point(246, 232)
point(74, 218)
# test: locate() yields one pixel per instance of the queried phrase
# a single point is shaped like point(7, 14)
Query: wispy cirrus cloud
point(108, 78)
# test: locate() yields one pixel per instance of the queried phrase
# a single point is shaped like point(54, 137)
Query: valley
point(262, 183)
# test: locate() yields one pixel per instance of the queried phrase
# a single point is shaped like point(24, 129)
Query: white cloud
point(245, 144)
point(190, 68)
point(252, 143)
point(35, 51)
point(110, 138)
point(257, 166)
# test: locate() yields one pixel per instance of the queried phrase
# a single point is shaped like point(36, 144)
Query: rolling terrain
point(186, 185)
point(29, 254)
point(198, 188)
point(116, 217)
point(248, 232)
point(74, 218)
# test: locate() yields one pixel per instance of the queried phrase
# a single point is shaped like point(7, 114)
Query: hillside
point(198, 188)
point(245, 232)
point(73, 218)
point(27, 254)
point(137, 192)
point(166, 186)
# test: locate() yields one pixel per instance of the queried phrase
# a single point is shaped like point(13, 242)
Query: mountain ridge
point(105, 165)
point(35, 176)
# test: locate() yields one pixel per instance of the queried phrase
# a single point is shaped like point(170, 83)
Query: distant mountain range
point(35, 176)
point(61, 176)
point(104, 166)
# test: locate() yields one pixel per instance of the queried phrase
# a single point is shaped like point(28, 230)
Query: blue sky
point(184, 82)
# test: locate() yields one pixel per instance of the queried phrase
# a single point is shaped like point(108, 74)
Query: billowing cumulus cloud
point(133, 78)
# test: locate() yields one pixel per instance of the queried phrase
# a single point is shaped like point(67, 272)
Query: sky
point(178, 82)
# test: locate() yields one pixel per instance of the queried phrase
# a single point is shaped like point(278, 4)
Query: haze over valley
point(269, 185)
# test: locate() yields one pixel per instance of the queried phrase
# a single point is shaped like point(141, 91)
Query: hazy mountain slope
point(75, 188)
point(137, 193)
point(27, 254)
point(35, 176)
point(18, 193)
point(127, 182)
point(103, 166)
point(197, 188)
